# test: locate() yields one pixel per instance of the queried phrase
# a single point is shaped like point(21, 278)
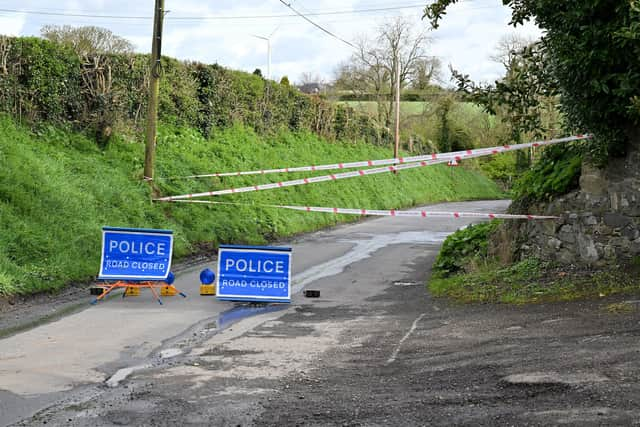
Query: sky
point(223, 31)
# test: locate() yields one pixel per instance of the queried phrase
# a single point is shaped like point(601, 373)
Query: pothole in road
point(551, 379)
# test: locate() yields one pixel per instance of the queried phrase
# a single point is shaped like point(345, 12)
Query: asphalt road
point(374, 349)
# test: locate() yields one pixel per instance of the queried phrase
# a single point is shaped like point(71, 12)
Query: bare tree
point(309, 78)
point(509, 49)
point(5, 47)
point(94, 45)
point(427, 72)
point(372, 68)
point(87, 40)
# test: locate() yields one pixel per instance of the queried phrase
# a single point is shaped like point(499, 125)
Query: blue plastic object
point(170, 278)
point(207, 276)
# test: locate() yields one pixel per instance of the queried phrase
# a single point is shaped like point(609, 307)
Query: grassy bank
point(465, 272)
point(531, 281)
point(57, 189)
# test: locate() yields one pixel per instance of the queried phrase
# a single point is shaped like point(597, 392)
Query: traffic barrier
point(451, 156)
point(136, 258)
point(255, 274)
point(388, 212)
point(364, 172)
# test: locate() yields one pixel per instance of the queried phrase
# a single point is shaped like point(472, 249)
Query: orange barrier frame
point(149, 284)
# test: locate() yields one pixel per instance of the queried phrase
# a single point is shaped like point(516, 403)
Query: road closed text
point(257, 284)
point(135, 265)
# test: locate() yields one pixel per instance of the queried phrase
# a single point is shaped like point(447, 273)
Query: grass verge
point(531, 281)
point(465, 273)
point(58, 189)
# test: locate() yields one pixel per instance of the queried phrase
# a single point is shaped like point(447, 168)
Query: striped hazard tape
point(452, 156)
point(364, 172)
point(377, 212)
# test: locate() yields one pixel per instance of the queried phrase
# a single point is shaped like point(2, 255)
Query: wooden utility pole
point(396, 148)
point(154, 88)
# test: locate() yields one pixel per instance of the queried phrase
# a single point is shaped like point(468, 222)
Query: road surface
point(374, 349)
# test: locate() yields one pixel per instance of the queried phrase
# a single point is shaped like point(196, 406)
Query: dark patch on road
point(451, 370)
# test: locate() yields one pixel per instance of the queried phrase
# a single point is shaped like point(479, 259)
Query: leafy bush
point(42, 79)
point(587, 54)
point(557, 172)
point(462, 247)
point(500, 168)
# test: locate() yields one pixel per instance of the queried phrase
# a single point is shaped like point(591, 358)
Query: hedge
point(44, 81)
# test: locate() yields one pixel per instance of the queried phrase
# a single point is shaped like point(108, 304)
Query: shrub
point(462, 247)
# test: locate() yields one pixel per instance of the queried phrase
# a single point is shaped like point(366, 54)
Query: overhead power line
point(214, 17)
point(316, 25)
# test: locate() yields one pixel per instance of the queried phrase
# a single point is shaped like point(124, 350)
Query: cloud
point(12, 25)
point(466, 38)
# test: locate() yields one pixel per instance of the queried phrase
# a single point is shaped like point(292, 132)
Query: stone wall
point(599, 224)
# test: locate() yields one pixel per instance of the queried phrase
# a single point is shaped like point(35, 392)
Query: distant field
point(413, 108)
point(406, 108)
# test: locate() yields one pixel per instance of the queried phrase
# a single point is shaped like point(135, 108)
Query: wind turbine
point(268, 39)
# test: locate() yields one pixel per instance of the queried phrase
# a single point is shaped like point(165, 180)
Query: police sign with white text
point(254, 273)
point(135, 254)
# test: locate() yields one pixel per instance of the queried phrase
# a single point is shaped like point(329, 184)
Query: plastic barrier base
point(207, 289)
point(168, 291)
point(132, 291)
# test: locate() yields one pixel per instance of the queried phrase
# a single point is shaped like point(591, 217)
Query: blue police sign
point(135, 254)
point(254, 273)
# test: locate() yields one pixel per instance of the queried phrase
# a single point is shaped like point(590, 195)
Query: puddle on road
point(244, 311)
point(363, 249)
point(169, 353)
point(122, 374)
point(405, 284)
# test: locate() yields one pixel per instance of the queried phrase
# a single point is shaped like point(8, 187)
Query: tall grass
point(57, 190)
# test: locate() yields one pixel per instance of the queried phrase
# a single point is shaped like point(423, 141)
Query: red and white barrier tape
point(456, 155)
point(376, 212)
point(373, 171)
